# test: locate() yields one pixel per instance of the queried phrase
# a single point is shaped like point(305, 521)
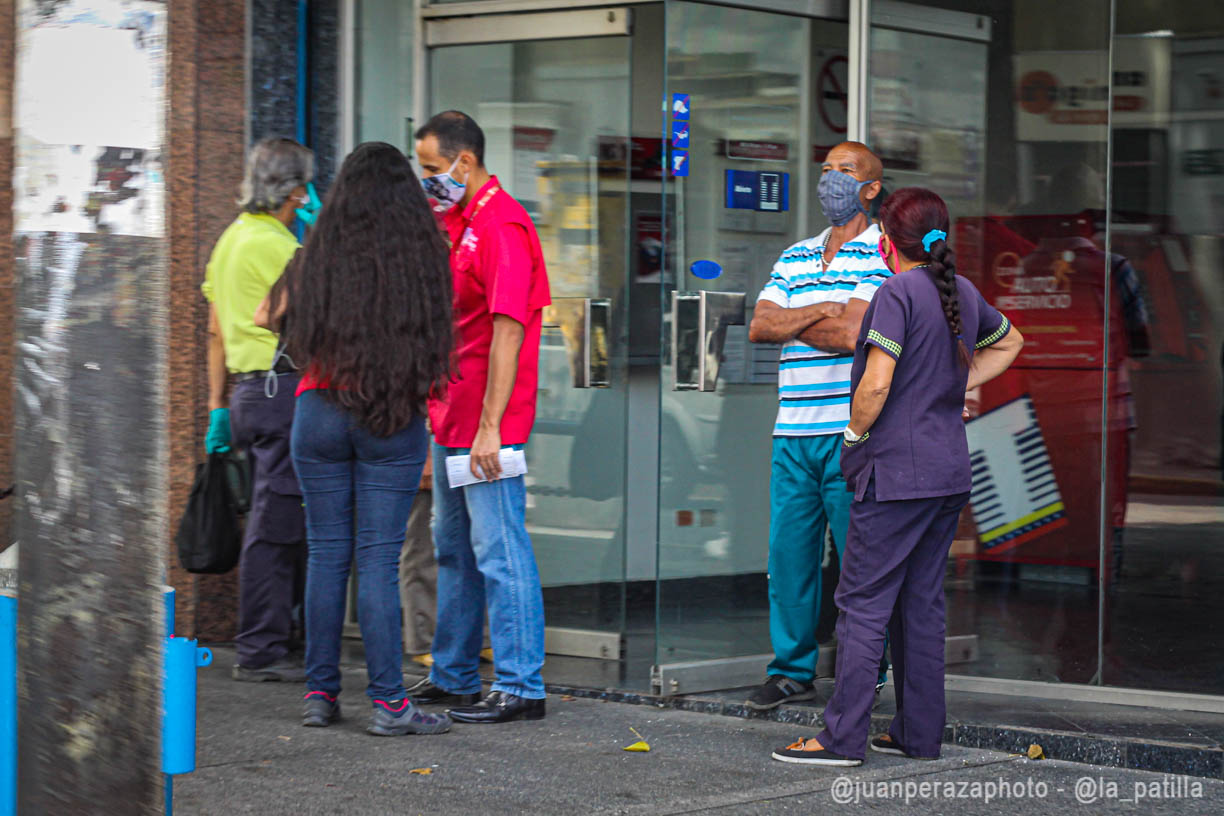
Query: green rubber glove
point(218, 438)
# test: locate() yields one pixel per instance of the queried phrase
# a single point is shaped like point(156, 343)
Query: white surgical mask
point(445, 191)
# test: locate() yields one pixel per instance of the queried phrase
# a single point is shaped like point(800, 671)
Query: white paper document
point(459, 467)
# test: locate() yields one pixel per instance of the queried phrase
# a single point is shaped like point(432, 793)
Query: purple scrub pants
point(272, 566)
point(892, 579)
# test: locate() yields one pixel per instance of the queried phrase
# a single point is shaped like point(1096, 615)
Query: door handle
point(699, 322)
point(585, 326)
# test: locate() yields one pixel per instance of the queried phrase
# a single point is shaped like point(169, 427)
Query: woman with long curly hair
point(365, 309)
point(927, 337)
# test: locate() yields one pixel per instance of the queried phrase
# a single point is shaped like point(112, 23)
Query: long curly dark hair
point(369, 295)
point(908, 215)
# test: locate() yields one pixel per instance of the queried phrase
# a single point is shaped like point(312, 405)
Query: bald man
point(813, 306)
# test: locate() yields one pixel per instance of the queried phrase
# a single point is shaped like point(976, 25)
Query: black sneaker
point(779, 689)
point(319, 709)
point(285, 671)
point(805, 752)
point(393, 718)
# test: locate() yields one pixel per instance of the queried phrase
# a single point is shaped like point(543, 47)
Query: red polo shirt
point(498, 268)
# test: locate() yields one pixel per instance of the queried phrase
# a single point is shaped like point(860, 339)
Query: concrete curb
point(1093, 749)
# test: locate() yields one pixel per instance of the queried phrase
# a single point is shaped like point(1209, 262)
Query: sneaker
point(779, 689)
point(286, 671)
point(811, 752)
point(319, 709)
point(393, 718)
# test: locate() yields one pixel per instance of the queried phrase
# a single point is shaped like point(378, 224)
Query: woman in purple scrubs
point(927, 337)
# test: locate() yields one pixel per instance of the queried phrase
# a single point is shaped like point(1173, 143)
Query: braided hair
point(909, 215)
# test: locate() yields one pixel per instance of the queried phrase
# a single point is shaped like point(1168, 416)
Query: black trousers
point(272, 566)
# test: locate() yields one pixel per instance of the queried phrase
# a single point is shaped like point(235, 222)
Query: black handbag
point(209, 536)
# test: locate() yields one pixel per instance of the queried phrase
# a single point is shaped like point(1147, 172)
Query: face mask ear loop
point(271, 379)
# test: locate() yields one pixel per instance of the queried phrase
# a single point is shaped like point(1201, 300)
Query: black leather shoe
point(426, 693)
point(499, 707)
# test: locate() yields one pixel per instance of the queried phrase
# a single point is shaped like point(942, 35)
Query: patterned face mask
point(444, 191)
point(839, 196)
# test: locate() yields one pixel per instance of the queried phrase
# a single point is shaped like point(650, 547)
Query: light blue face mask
point(839, 197)
point(308, 213)
point(445, 191)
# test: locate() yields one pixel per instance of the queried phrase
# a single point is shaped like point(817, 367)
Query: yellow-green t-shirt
point(248, 258)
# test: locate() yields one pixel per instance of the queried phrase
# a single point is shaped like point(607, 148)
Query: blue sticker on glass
point(680, 106)
point(680, 135)
point(679, 163)
point(706, 270)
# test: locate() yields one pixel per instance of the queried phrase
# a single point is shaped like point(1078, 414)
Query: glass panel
point(383, 36)
point(1166, 510)
point(1004, 115)
point(749, 81)
point(556, 116)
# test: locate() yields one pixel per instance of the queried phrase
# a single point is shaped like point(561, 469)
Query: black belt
point(246, 376)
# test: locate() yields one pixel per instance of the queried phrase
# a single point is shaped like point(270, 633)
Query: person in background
point(418, 578)
point(484, 554)
point(368, 312)
point(246, 261)
point(927, 337)
point(813, 306)
point(418, 573)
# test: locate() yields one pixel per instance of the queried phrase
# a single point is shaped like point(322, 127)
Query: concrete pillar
point(91, 464)
point(207, 123)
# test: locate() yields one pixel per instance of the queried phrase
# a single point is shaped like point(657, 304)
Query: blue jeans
point(346, 471)
point(485, 557)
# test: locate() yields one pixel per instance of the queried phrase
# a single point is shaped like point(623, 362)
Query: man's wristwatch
point(850, 436)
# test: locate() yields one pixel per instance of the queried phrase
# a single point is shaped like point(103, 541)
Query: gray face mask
point(839, 197)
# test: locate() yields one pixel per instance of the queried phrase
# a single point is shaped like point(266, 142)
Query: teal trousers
point(807, 493)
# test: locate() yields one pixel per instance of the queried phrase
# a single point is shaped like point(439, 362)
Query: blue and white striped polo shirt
point(814, 385)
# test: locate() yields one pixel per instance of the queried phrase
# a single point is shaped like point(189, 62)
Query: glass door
point(555, 112)
point(753, 100)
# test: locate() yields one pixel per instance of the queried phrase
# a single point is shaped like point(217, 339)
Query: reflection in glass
point(1166, 515)
point(963, 104)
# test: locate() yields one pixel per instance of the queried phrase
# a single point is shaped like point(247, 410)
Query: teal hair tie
point(931, 237)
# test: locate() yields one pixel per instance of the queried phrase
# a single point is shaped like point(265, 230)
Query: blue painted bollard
point(8, 705)
point(182, 657)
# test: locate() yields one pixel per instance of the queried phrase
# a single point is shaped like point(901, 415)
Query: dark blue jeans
point(354, 481)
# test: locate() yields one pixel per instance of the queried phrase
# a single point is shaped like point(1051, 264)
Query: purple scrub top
point(917, 447)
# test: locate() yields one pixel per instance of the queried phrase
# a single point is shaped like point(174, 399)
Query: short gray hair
point(275, 167)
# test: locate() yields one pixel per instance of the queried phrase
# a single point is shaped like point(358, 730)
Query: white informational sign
point(1064, 95)
point(1015, 495)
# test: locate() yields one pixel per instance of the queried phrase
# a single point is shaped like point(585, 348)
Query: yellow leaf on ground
point(1035, 752)
point(422, 771)
point(640, 745)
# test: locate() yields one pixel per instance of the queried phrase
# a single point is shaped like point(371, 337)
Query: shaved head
point(855, 159)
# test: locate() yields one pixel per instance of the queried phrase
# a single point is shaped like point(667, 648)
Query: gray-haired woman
point(246, 261)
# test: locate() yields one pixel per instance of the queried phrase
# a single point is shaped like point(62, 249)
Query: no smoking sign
point(832, 101)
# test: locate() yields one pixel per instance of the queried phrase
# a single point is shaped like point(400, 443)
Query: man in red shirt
point(485, 557)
